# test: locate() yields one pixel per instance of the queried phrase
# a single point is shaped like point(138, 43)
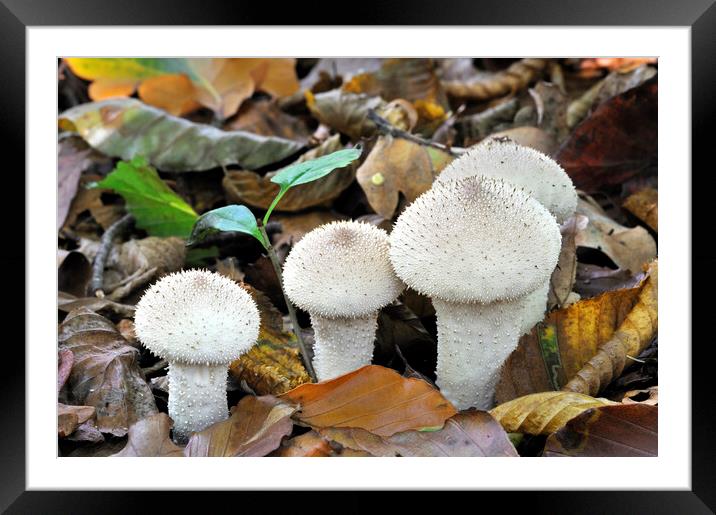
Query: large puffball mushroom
point(341, 275)
point(524, 167)
point(477, 246)
point(199, 321)
point(538, 175)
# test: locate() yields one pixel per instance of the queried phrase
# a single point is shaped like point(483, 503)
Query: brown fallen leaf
point(633, 336)
point(70, 417)
point(637, 396)
point(68, 303)
point(255, 428)
point(630, 248)
point(296, 226)
point(265, 118)
point(73, 157)
point(478, 126)
point(307, 445)
point(618, 140)
point(394, 166)
point(564, 275)
point(625, 431)
point(149, 438)
point(73, 272)
point(470, 433)
point(551, 105)
point(543, 413)
point(557, 349)
point(65, 360)
point(515, 78)
point(246, 187)
point(644, 205)
point(105, 373)
point(374, 398)
point(594, 280)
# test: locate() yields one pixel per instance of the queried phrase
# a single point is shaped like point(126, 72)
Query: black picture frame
point(16, 15)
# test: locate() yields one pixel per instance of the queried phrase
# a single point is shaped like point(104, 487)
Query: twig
point(385, 127)
point(159, 365)
point(291, 310)
point(100, 260)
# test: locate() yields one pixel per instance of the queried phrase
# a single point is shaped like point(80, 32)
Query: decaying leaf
point(627, 431)
point(105, 373)
point(68, 303)
point(149, 438)
point(307, 445)
point(471, 433)
point(296, 226)
point(629, 248)
point(70, 417)
point(563, 276)
point(558, 348)
point(245, 187)
point(125, 128)
point(551, 105)
point(73, 272)
point(532, 137)
point(265, 118)
point(543, 413)
point(255, 428)
point(649, 396)
point(644, 204)
point(594, 280)
point(394, 166)
point(515, 78)
point(73, 158)
point(373, 398)
point(618, 140)
point(633, 336)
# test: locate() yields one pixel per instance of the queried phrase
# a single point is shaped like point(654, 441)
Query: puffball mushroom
point(477, 246)
point(538, 175)
point(341, 275)
point(199, 321)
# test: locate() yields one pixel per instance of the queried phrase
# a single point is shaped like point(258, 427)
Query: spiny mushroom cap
point(475, 239)
point(341, 269)
point(524, 167)
point(197, 317)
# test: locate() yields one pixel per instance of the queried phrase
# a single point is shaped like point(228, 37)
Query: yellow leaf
point(644, 205)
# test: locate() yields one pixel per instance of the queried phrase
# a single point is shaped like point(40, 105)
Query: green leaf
point(225, 219)
point(155, 207)
point(126, 127)
point(309, 171)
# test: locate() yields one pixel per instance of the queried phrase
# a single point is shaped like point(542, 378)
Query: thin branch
point(105, 246)
point(385, 127)
point(159, 365)
point(291, 310)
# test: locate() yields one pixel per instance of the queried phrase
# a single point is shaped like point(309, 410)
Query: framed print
point(426, 235)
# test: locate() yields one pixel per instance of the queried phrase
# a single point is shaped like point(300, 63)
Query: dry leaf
point(626, 431)
point(263, 117)
point(307, 445)
point(633, 336)
point(295, 227)
point(70, 417)
point(68, 303)
point(564, 342)
point(532, 137)
point(644, 204)
point(515, 78)
point(373, 398)
point(72, 160)
point(629, 248)
point(105, 373)
point(636, 396)
point(255, 428)
point(543, 413)
point(394, 165)
point(149, 438)
point(471, 433)
point(551, 105)
point(564, 275)
point(246, 187)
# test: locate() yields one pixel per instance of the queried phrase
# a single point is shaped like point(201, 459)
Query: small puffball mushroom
point(199, 321)
point(341, 275)
point(524, 167)
point(477, 246)
point(534, 172)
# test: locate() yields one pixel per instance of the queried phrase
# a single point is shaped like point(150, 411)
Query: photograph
point(357, 257)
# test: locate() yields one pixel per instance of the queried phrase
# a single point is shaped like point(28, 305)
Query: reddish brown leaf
point(374, 398)
point(307, 445)
point(149, 438)
point(618, 141)
point(255, 428)
point(471, 433)
point(623, 430)
point(105, 372)
point(70, 417)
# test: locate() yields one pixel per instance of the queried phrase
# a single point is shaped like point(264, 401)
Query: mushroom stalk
point(474, 340)
point(342, 344)
point(534, 305)
point(197, 397)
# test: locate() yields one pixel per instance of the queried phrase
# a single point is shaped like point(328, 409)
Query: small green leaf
point(155, 207)
point(309, 171)
point(225, 219)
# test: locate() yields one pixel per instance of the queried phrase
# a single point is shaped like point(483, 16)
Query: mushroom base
point(474, 340)
point(342, 344)
point(197, 397)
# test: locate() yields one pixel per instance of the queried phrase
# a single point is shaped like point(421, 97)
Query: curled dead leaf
point(515, 78)
point(149, 438)
point(307, 445)
point(644, 205)
point(373, 398)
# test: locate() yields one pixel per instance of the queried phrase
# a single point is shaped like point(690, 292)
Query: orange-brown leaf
point(373, 398)
point(149, 438)
point(644, 204)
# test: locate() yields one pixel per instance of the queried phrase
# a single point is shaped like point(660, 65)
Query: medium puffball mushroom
point(341, 275)
point(534, 172)
point(477, 246)
point(199, 321)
